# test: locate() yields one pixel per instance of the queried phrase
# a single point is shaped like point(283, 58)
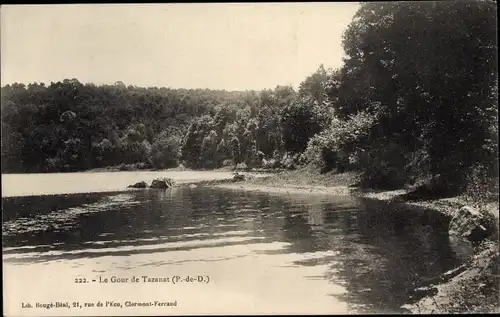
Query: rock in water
point(138, 185)
point(238, 177)
point(468, 223)
point(162, 183)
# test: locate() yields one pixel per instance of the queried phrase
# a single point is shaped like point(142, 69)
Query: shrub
point(383, 177)
point(241, 166)
point(290, 161)
point(383, 165)
point(125, 167)
point(135, 152)
point(271, 163)
point(165, 152)
point(338, 146)
point(142, 165)
point(227, 163)
point(482, 184)
point(53, 164)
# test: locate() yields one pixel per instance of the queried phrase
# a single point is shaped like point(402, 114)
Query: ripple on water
point(290, 249)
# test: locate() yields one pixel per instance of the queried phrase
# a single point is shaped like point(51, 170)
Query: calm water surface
point(263, 253)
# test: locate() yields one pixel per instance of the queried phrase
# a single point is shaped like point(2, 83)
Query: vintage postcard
point(249, 158)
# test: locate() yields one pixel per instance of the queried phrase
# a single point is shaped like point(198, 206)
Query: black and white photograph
point(333, 158)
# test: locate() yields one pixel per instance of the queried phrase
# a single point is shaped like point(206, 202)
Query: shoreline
point(443, 205)
point(439, 297)
point(461, 284)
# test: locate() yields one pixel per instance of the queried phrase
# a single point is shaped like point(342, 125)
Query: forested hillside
point(69, 126)
point(416, 97)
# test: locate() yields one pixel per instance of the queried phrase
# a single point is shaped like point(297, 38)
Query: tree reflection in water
point(378, 252)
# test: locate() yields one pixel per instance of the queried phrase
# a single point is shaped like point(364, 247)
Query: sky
point(216, 46)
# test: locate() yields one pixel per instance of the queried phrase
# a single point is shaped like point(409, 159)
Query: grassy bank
point(473, 288)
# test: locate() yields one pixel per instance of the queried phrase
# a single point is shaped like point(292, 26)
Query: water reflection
point(385, 251)
point(375, 251)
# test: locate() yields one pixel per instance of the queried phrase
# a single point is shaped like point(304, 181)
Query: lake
point(85, 182)
point(252, 252)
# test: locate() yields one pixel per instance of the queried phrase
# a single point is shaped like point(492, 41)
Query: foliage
point(165, 151)
point(314, 86)
point(299, 125)
point(428, 71)
point(193, 141)
point(416, 97)
point(38, 120)
point(481, 186)
point(340, 145)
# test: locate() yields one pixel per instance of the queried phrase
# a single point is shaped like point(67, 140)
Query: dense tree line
point(417, 94)
point(70, 126)
point(416, 97)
